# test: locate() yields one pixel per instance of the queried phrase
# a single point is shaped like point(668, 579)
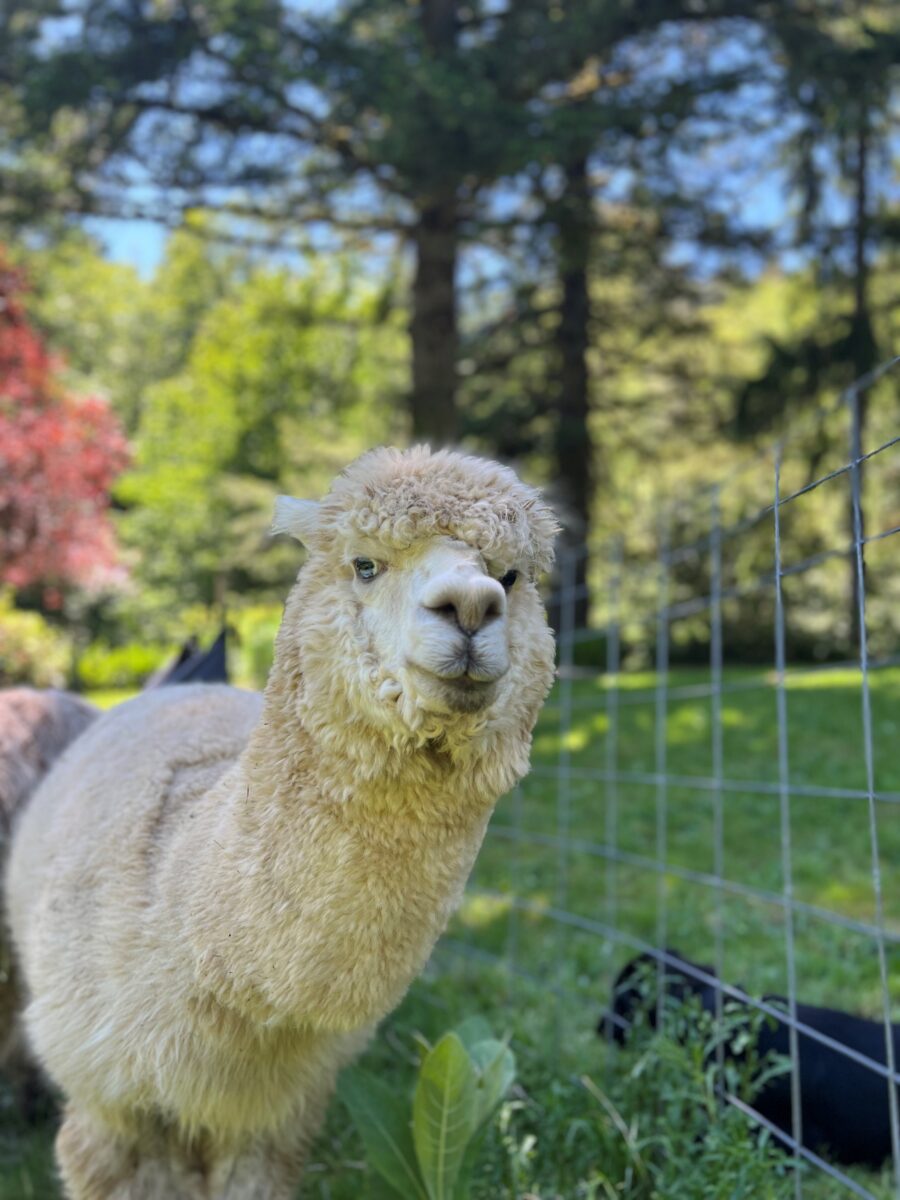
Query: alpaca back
point(86, 850)
point(99, 816)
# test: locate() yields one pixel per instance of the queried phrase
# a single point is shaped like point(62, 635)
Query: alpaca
point(217, 896)
point(35, 728)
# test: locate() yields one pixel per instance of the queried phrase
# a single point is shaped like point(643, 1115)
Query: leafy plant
point(31, 650)
point(427, 1150)
point(59, 456)
point(102, 666)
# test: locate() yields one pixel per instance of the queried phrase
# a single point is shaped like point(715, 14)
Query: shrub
point(251, 657)
point(31, 650)
point(103, 666)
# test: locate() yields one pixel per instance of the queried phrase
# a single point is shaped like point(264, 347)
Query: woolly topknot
point(401, 496)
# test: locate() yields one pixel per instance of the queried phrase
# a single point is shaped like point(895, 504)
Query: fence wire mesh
point(747, 814)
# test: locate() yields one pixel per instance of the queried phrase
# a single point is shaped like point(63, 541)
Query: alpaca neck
point(355, 851)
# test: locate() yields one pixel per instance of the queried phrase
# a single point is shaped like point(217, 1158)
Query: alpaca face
point(420, 599)
point(437, 618)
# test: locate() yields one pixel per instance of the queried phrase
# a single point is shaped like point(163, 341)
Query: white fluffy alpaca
point(216, 896)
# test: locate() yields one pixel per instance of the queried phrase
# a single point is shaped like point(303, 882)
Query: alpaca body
point(247, 966)
point(216, 896)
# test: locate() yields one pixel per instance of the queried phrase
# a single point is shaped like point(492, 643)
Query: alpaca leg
point(30, 1091)
point(97, 1163)
point(265, 1172)
point(271, 1167)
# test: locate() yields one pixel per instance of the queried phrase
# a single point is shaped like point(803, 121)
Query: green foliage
point(680, 1138)
point(382, 1119)
point(27, 1170)
point(445, 1110)
point(104, 666)
point(252, 652)
point(430, 1153)
point(100, 315)
point(286, 379)
point(236, 379)
point(31, 650)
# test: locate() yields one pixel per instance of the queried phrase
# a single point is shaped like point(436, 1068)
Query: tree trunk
point(433, 327)
point(433, 323)
point(572, 442)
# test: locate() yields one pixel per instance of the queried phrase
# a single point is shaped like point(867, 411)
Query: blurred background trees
point(618, 243)
point(59, 456)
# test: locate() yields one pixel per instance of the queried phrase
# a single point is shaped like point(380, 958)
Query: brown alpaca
point(35, 728)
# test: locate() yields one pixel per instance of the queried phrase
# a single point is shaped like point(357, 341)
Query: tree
point(378, 119)
point(285, 378)
point(209, 104)
point(59, 456)
point(840, 79)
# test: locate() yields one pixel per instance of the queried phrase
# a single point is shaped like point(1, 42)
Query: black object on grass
point(845, 1105)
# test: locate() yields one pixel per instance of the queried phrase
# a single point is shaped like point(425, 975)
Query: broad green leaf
point(382, 1119)
point(472, 1031)
point(377, 1188)
point(445, 1110)
point(463, 1188)
point(496, 1066)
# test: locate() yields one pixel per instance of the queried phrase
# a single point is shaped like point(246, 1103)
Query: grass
point(108, 697)
point(831, 858)
point(544, 982)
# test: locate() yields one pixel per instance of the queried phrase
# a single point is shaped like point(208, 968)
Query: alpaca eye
point(507, 580)
point(365, 568)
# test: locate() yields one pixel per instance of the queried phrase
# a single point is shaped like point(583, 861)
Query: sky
point(745, 175)
point(138, 243)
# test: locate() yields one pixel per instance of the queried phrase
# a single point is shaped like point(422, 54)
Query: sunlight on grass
point(848, 677)
point(576, 738)
point(687, 724)
point(478, 910)
point(109, 697)
point(733, 718)
point(853, 899)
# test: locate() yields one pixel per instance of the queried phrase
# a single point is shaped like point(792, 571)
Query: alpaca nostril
point(469, 613)
point(450, 613)
point(493, 610)
point(464, 600)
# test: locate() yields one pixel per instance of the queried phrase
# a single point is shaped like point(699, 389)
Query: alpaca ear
point(298, 518)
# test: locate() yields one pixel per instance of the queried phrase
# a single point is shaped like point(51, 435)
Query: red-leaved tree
point(59, 455)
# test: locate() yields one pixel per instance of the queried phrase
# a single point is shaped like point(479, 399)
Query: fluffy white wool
point(216, 896)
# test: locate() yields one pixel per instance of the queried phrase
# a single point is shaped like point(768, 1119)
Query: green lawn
point(108, 697)
point(544, 856)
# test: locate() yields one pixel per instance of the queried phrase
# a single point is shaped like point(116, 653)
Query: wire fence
point(747, 816)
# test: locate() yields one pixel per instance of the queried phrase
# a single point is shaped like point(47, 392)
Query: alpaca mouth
point(461, 691)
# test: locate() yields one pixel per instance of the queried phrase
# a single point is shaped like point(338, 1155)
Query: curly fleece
point(401, 497)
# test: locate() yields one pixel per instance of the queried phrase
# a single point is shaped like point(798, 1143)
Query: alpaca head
point(419, 598)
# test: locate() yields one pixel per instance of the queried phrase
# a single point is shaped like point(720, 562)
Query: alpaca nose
point(469, 602)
